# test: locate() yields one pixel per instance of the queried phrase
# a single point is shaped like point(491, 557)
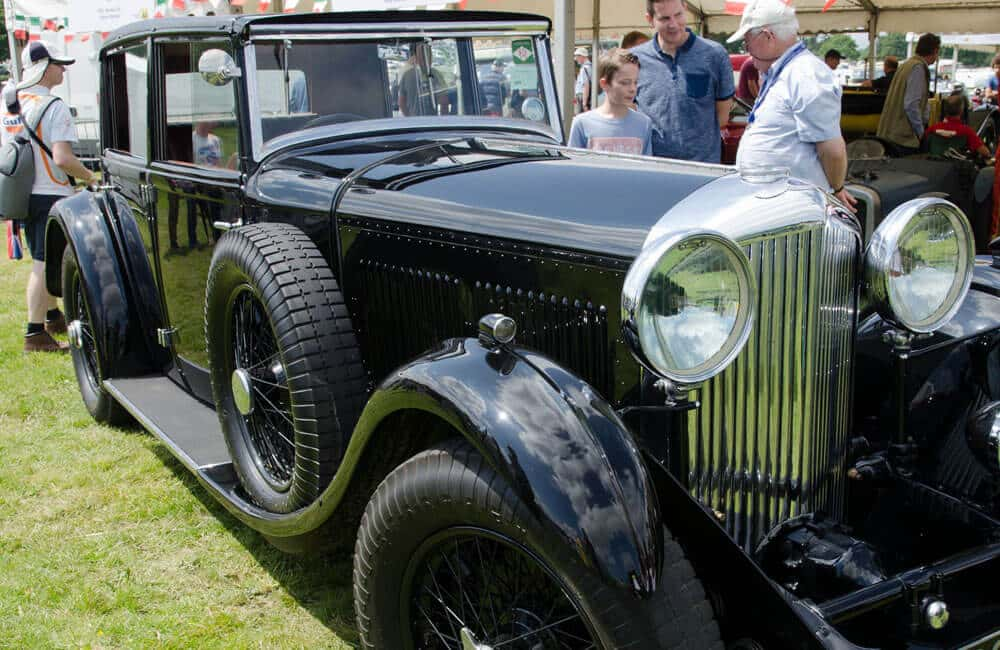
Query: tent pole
point(565, 34)
point(872, 42)
point(595, 55)
point(15, 56)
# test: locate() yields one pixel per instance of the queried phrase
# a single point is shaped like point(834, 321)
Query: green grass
point(106, 541)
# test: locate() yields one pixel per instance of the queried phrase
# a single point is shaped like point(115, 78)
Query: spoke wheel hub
point(74, 332)
point(242, 391)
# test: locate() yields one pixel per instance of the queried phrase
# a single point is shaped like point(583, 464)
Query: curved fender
point(85, 220)
point(556, 440)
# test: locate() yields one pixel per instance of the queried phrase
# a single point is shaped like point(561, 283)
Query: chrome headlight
point(688, 304)
point(918, 265)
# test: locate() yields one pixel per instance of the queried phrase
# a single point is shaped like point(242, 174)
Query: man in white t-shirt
point(42, 72)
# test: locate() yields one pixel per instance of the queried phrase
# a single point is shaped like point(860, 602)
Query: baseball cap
point(760, 13)
point(34, 59)
point(581, 51)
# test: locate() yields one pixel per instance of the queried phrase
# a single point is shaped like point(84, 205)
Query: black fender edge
point(116, 277)
point(551, 435)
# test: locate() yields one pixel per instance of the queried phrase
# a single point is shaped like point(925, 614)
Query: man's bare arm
point(833, 156)
point(722, 109)
point(66, 160)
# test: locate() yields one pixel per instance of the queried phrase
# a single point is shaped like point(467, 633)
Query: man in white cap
point(795, 122)
point(41, 72)
point(581, 89)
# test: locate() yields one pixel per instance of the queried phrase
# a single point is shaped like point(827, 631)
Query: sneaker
point(56, 325)
point(43, 342)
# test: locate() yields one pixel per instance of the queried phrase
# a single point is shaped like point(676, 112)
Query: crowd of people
point(669, 95)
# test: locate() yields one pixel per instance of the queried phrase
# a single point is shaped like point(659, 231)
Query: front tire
point(86, 358)
point(285, 365)
point(446, 557)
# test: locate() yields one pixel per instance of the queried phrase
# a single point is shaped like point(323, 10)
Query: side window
point(127, 85)
point(201, 118)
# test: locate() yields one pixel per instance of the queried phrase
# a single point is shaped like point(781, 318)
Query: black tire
point(101, 406)
point(446, 507)
point(274, 312)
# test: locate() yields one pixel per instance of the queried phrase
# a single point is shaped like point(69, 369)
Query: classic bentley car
point(553, 398)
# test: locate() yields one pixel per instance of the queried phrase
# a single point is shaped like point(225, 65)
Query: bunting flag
point(34, 37)
point(104, 35)
point(84, 38)
point(263, 5)
point(734, 7)
point(319, 6)
point(290, 6)
point(161, 9)
point(827, 5)
point(20, 27)
point(68, 38)
point(49, 25)
point(179, 5)
point(236, 3)
point(34, 24)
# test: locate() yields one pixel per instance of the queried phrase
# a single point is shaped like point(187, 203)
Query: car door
point(196, 189)
point(126, 140)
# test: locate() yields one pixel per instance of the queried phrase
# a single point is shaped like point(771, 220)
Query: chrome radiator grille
point(768, 442)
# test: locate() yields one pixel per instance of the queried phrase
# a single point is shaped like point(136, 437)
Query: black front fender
point(554, 438)
point(116, 278)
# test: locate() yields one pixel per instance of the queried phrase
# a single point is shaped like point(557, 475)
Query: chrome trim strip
point(253, 105)
point(551, 98)
point(336, 36)
point(354, 29)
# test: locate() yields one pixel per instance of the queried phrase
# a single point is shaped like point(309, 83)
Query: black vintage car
point(554, 398)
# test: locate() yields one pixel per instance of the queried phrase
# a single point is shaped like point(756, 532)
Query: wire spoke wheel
point(285, 367)
point(268, 427)
point(473, 585)
point(88, 346)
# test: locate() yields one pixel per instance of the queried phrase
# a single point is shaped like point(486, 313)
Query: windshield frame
point(536, 31)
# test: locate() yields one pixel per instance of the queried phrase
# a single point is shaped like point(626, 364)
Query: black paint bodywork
point(431, 224)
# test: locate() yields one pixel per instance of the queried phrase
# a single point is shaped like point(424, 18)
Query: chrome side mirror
point(217, 67)
point(533, 109)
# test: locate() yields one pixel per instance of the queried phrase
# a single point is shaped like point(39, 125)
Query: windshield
point(301, 84)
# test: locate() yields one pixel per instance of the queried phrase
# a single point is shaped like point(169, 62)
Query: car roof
point(335, 21)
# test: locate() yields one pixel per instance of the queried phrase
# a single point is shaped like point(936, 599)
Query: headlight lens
point(918, 265)
point(687, 305)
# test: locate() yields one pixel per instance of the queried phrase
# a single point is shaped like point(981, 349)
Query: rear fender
point(116, 277)
point(556, 441)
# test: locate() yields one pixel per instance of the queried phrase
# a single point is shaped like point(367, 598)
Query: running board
point(188, 428)
point(191, 432)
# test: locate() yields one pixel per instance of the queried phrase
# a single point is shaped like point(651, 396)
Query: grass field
point(107, 542)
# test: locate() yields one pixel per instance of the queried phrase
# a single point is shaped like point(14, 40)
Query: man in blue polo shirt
point(685, 86)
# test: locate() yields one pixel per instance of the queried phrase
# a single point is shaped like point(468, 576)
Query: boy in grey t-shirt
point(614, 126)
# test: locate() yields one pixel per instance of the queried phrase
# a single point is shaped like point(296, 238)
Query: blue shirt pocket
point(697, 84)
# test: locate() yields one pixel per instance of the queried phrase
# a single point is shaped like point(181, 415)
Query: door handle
point(227, 225)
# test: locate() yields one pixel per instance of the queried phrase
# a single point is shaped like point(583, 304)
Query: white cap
point(760, 13)
point(581, 51)
point(34, 59)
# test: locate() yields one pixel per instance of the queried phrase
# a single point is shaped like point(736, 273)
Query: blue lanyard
point(772, 76)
